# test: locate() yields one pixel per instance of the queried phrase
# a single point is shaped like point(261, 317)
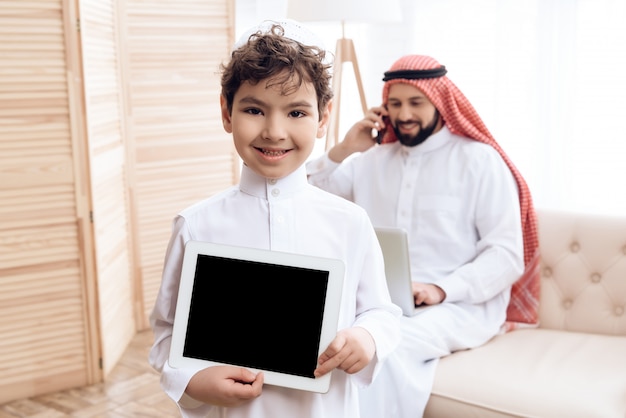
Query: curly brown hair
point(282, 62)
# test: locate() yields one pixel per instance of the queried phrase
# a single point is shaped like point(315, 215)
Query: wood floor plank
point(132, 389)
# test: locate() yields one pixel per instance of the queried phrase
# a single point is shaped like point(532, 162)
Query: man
point(439, 174)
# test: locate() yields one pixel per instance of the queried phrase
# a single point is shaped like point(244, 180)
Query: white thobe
point(459, 203)
point(288, 215)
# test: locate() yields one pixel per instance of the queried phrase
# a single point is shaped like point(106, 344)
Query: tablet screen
point(259, 315)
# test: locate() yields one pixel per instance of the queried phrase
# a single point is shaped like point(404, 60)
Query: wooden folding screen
point(48, 316)
point(109, 124)
point(181, 152)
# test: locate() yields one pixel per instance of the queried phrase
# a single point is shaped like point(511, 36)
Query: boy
point(276, 101)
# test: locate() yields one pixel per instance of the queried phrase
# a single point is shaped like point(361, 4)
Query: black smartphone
point(381, 133)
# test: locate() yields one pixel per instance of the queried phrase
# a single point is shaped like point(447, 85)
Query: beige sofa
point(574, 363)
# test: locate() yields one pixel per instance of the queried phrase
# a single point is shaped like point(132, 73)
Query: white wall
point(545, 75)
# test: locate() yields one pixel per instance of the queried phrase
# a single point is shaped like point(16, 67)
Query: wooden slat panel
point(43, 330)
point(182, 153)
point(22, 208)
point(108, 166)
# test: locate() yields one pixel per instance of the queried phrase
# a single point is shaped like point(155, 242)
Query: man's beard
point(422, 134)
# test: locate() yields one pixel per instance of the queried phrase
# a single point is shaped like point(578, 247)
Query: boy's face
point(274, 133)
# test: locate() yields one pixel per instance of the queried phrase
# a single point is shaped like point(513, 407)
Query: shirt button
point(272, 181)
point(275, 192)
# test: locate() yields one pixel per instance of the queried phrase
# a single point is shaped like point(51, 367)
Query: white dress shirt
point(284, 215)
point(459, 203)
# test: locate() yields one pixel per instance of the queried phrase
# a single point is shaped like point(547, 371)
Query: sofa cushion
point(534, 373)
point(583, 267)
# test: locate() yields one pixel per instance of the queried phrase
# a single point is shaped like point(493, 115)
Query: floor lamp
point(358, 11)
point(344, 52)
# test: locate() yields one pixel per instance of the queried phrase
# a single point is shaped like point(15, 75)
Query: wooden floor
point(131, 390)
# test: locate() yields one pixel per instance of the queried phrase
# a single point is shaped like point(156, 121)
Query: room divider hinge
point(91, 216)
point(77, 25)
point(100, 365)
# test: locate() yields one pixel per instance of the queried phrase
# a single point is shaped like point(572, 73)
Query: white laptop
point(395, 245)
point(264, 310)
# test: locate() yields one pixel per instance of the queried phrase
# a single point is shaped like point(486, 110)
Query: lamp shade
point(358, 11)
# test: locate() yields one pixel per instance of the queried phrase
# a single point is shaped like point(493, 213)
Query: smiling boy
point(275, 102)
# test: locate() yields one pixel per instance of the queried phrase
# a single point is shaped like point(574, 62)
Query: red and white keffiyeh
point(462, 119)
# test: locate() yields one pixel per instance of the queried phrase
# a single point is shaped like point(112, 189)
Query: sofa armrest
point(583, 272)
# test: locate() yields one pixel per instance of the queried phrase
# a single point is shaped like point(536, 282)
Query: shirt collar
point(259, 186)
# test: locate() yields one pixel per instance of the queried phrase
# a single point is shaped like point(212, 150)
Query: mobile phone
point(381, 133)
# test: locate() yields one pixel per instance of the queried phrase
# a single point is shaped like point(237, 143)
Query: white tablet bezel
point(330, 319)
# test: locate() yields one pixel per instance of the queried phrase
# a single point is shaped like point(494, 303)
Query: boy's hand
point(350, 351)
point(225, 385)
point(427, 294)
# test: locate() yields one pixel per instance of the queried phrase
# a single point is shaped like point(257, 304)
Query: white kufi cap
point(292, 30)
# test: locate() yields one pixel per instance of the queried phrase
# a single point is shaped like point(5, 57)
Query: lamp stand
point(344, 52)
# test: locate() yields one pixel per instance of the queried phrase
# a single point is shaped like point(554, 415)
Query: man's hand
point(225, 385)
point(359, 138)
point(428, 294)
point(350, 351)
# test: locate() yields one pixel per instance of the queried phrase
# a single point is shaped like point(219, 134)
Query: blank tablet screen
point(255, 314)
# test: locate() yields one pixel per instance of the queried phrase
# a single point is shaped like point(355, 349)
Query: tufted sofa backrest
point(583, 272)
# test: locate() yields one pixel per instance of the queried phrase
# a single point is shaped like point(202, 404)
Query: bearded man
point(435, 170)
